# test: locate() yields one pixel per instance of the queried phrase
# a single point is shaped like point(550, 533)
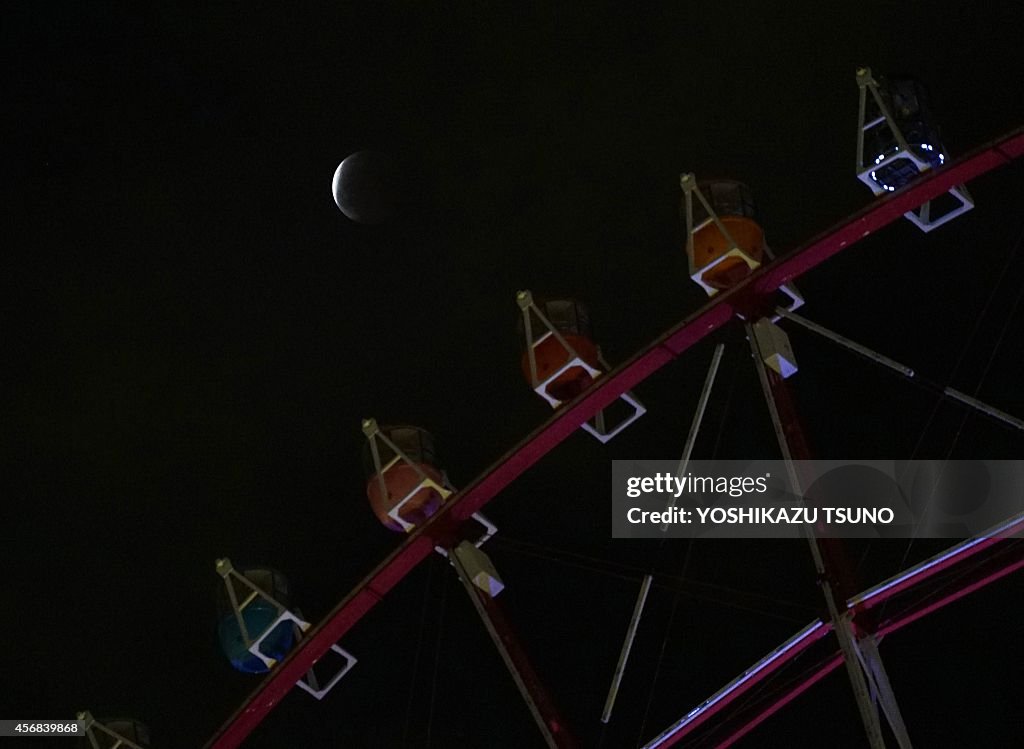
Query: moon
point(366, 187)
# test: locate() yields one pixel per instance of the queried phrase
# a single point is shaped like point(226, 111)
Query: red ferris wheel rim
point(667, 347)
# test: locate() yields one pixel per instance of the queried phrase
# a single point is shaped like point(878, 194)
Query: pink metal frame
point(605, 390)
point(814, 632)
point(824, 668)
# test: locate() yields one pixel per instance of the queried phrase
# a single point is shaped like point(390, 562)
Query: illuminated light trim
point(1002, 528)
point(878, 160)
point(915, 158)
point(828, 666)
point(826, 627)
point(736, 683)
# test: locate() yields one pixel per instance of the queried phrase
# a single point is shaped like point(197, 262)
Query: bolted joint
point(370, 427)
point(224, 567)
point(478, 569)
point(524, 299)
point(773, 344)
point(687, 181)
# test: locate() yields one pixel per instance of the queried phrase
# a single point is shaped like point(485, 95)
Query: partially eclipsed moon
point(364, 187)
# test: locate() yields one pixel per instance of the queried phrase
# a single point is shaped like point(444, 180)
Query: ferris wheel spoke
point(908, 372)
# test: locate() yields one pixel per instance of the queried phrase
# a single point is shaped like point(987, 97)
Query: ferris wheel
point(901, 159)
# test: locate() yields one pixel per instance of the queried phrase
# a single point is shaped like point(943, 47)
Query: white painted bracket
point(425, 483)
point(309, 683)
point(312, 685)
point(796, 299)
point(776, 351)
point(284, 616)
point(605, 436)
point(479, 568)
point(489, 530)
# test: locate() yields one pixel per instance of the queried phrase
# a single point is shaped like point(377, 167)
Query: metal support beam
point(606, 389)
point(698, 417)
point(841, 621)
point(903, 369)
point(551, 725)
point(864, 351)
point(881, 689)
point(627, 645)
point(984, 408)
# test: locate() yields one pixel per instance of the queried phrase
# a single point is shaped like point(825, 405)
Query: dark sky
point(195, 332)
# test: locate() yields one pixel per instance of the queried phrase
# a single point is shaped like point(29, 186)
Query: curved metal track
point(669, 346)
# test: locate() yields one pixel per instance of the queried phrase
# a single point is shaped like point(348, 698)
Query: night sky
point(194, 332)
